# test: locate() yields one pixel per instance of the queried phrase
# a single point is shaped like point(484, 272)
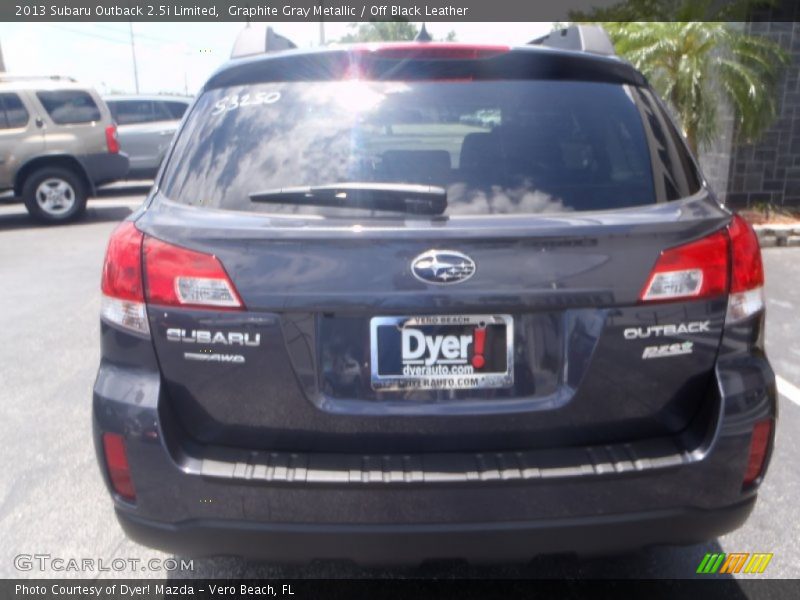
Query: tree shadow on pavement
point(134, 188)
point(650, 563)
point(94, 214)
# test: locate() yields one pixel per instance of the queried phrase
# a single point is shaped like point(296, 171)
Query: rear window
point(495, 147)
point(69, 107)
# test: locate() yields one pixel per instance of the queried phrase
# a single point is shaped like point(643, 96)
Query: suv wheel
point(54, 195)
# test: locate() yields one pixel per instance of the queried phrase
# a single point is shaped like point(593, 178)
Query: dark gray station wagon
point(416, 301)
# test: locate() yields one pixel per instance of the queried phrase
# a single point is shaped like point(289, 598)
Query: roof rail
point(256, 39)
point(10, 78)
point(581, 38)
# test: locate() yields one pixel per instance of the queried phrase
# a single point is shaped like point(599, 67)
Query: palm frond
point(697, 66)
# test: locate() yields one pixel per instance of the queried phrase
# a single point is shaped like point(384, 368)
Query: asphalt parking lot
point(52, 500)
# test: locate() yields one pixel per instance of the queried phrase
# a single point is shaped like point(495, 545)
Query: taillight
point(118, 468)
point(122, 286)
point(112, 141)
point(759, 447)
point(181, 277)
point(695, 270)
point(747, 272)
point(700, 270)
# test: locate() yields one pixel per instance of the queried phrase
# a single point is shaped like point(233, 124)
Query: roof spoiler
point(258, 39)
point(580, 38)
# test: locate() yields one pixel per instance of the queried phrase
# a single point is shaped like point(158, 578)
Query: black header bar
point(387, 10)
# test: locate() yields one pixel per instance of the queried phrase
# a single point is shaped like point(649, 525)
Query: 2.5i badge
point(441, 352)
point(662, 350)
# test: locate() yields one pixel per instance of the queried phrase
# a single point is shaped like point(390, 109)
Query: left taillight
point(112, 140)
point(119, 471)
point(123, 302)
point(177, 276)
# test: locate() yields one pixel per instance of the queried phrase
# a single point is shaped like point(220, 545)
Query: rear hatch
point(460, 263)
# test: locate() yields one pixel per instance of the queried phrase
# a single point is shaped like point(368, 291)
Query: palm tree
point(694, 65)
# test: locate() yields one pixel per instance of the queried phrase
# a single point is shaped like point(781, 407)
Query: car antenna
point(258, 39)
point(423, 35)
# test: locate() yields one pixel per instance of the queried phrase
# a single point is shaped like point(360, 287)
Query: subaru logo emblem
point(442, 266)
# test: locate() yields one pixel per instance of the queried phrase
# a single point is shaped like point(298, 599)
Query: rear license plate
point(442, 352)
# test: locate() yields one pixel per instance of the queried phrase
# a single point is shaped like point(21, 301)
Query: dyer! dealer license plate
point(442, 352)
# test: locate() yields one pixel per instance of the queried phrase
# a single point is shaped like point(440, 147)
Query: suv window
point(130, 112)
point(14, 113)
point(498, 147)
point(69, 107)
point(175, 108)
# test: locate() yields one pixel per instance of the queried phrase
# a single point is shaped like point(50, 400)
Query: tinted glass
point(674, 173)
point(160, 112)
point(68, 107)
point(496, 147)
point(127, 112)
point(16, 115)
point(176, 109)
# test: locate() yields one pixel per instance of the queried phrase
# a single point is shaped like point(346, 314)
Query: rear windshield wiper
point(395, 197)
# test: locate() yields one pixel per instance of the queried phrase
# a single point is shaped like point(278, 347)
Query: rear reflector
point(747, 272)
point(118, 468)
point(123, 292)
point(695, 270)
point(181, 277)
point(759, 446)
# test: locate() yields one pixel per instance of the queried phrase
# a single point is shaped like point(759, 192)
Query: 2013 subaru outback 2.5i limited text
point(417, 301)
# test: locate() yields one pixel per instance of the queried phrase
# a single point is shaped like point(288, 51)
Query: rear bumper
point(292, 507)
point(477, 542)
point(105, 167)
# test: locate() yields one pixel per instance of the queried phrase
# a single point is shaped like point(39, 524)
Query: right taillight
point(747, 272)
point(698, 269)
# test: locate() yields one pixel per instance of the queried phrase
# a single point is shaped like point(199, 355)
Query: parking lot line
point(788, 390)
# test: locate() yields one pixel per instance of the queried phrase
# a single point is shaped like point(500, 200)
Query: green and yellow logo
point(736, 562)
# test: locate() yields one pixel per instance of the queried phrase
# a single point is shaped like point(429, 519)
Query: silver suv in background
point(146, 125)
point(57, 144)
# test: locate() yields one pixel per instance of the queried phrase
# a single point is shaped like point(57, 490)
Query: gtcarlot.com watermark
point(48, 562)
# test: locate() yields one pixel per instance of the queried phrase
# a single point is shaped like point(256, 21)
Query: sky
point(178, 57)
